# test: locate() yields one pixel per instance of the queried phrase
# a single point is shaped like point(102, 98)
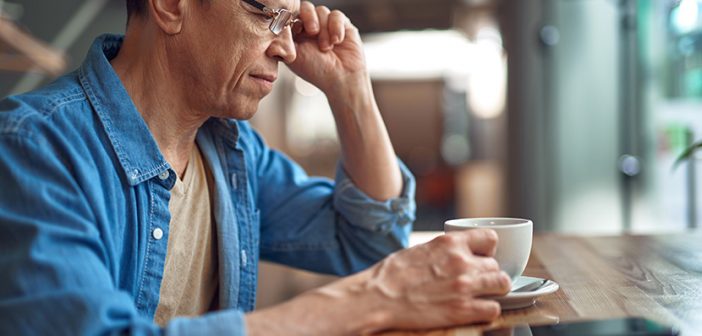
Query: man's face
point(226, 56)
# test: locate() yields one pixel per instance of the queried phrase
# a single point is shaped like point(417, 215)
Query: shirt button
point(157, 233)
point(243, 258)
point(164, 175)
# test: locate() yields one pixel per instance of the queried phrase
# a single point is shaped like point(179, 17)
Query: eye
point(255, 11)
point(264, 17)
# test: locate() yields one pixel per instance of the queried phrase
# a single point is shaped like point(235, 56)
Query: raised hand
point(329, 49)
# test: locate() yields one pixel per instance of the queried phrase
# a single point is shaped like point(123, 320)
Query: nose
point(283, 47)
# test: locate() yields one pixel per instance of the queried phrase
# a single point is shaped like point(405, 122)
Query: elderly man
point(136, 199)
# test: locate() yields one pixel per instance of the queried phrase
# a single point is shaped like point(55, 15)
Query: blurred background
point(568, 112)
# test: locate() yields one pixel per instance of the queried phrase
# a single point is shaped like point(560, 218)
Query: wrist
point(358, 308)
point(352, 92)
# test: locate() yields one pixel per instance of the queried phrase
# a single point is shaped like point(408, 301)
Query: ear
point(168, 14)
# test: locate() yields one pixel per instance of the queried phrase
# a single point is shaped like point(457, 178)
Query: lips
point(264, 81)
point(266, 77)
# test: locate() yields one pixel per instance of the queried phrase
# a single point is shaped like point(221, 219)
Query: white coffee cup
point(514, 244)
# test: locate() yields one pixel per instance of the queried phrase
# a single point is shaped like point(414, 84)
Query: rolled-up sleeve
point(323, 225)
point(366, 212)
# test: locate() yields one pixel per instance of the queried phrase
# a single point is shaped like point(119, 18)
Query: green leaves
point(687, 153)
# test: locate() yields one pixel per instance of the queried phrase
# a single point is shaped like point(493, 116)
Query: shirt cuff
point(379, 216)
point(226, 322)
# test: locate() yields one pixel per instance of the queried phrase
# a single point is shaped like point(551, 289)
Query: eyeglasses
point(282, 18)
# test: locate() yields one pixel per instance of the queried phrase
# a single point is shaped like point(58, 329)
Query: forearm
point(341, 308)
point(367, 153)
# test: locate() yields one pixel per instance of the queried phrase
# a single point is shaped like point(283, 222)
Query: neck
point(142, 65)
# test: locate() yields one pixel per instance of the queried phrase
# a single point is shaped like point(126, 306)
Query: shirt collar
point(136, 149)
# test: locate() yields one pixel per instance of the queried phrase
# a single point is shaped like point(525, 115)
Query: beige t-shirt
point(190, 276)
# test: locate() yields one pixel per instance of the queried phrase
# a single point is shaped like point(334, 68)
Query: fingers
point(308, 16)
point(328, 26)
point(480, 241)
point(486, 264)
point(467, 287)
point(479, 310)
point(470, 286)
point(443, 280)
point(336, 26)
point(484, 284)
point(457, 262)
point(323, 37)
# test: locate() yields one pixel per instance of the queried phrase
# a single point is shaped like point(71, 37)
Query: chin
point(244, 116)
point(236, 110)
point(236, 114)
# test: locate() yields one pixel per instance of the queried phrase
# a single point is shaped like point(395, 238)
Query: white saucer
point(525, 299)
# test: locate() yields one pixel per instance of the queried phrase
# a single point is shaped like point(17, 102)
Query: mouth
point(264, 81)
point(265, 77)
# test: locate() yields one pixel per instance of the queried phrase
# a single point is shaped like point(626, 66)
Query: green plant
point(687, 153)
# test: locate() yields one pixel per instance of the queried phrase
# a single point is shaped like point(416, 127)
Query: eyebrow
point(256, 4)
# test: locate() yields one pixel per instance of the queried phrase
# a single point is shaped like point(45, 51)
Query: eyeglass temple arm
point(256, 4)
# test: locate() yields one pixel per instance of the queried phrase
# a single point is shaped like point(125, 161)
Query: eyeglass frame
point(276, 15)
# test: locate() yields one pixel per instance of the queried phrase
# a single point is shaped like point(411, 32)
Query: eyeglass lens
point(280, 21)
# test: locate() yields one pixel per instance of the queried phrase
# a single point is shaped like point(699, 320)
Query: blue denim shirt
point(84, 194)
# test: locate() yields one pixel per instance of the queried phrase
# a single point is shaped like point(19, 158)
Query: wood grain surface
point(654, 276)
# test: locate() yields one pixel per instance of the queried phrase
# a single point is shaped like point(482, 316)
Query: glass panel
point(683, 77)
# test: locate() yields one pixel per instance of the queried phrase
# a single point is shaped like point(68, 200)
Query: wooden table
point(653, 276)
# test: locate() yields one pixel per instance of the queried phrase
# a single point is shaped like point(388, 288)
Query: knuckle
point(461, 305)
point(447, 240)
point(491, 310)
point(337, 15)
point(323, 9)
point(490, 237)
point(491, 264)
point(455, 312)
point(494, 310)
point(463, 284)
point(469, 307)
point(486, 282)
point(470, 263)
point(453, 258)
point(459, 262)
point(497, 282)
point(483, 310)
point(505, 282)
